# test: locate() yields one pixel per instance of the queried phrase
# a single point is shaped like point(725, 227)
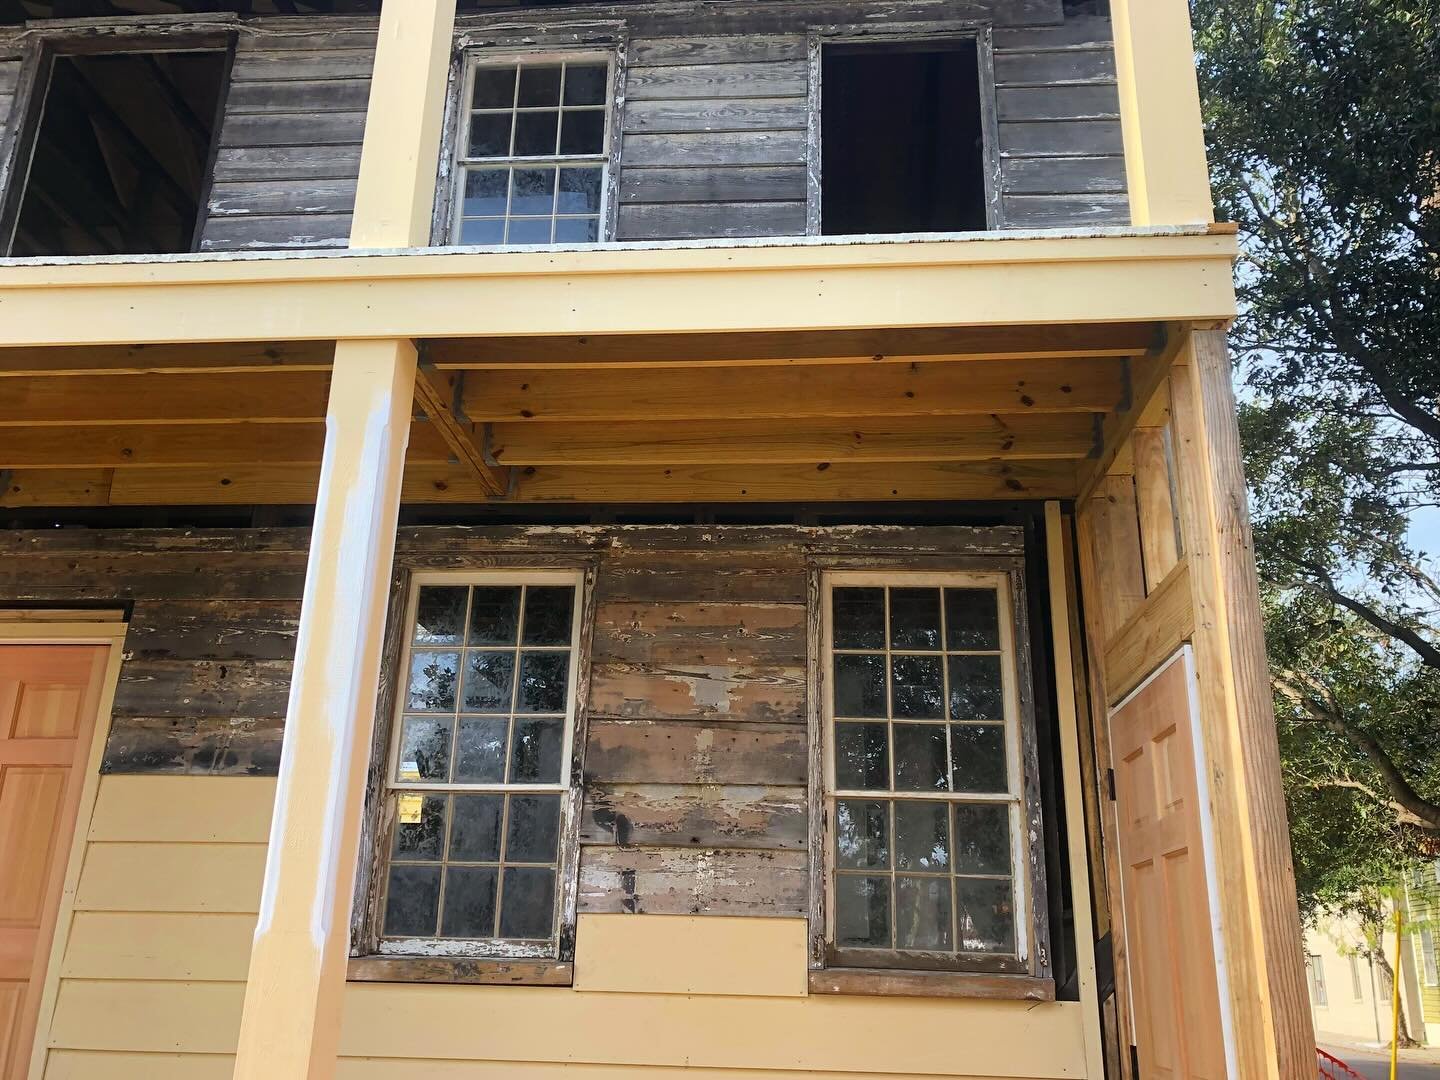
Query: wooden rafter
point(438, 393)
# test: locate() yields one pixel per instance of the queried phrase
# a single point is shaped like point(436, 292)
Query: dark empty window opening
point(902, 141)
point(121, 154)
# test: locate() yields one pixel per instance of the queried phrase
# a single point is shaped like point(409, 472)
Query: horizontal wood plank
point(691, 51)
point(252, 688)
point(302, 65)
point(684, 221)
point(686, 752)
point(1048, 211)
point(311, 129)
point(704, 114)
point(1159, 626)
point(658, 691)
point(182, 810)
point(716, 148)
point(295, 95)
point(172, 877)
point(1063, 176)
point(122, 399)
point(756, 79)
point(236, 198)
point(1055, 68)
point(676, 815)
point(237, 163)
point(731, 184)
point(256, 357)
point(269, 232)
point(1100, 102)
point(1062, 138)
point(150, 945)
point(195, 746)
point(700, 881)
point(700, 633)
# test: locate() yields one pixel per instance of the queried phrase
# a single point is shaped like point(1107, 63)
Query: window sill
point(944, 984)
point(456, 969)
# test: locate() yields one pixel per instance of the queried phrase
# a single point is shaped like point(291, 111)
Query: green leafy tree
point(1323, 121)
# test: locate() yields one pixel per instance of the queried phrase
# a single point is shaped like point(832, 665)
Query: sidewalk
point(1373, 1062)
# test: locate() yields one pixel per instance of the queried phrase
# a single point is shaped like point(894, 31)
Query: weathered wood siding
point(696, 762)
point(9, 84)
point(289, 143)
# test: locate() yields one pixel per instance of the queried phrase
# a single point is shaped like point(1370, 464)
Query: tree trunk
point(1387, 989)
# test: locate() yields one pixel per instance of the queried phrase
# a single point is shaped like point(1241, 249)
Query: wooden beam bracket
point(439, 394)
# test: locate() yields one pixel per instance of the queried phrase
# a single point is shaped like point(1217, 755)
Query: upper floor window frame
point(1031, 957)
point(903, 35)
point(470, 58)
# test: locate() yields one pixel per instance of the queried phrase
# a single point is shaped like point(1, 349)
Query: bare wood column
point(1260, 920)
point(1160, 113)
point(291, 1021)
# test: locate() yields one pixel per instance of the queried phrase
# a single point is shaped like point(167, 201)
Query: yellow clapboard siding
point(92, 1065)
point(148, 1017)
point(183, 809)
point(152, 945)
point(691, 954)
point(171, 877)
point(820, 1034)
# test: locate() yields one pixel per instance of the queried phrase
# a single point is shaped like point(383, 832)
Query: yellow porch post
point(1160, 113)
point(291, 1021)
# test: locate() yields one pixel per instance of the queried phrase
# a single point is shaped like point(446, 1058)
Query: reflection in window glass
point(479, 772)
point(923, 806)
point(533, 152)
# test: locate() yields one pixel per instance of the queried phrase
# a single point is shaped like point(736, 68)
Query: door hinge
point(1110, 783)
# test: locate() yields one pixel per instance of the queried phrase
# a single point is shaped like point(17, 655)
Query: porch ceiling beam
point(282, 485)
point(1164, 275)
point(438, 394)
point(897, 346)
point(217, 359)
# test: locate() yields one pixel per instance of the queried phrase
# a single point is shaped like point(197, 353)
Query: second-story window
point(533, 150)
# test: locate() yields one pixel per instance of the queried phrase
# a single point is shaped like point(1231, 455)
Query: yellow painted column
point(1160, 113)
point(290, 1027)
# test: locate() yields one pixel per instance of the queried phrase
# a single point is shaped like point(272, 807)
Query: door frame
point(70, 626)
point(1186, 655)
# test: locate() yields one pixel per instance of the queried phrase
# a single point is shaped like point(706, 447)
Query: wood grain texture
point(1158, 627)
point(693, 815)
point(684, 752)
point(679, 881)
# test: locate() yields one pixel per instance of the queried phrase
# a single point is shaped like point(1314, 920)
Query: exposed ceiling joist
point(438, 393)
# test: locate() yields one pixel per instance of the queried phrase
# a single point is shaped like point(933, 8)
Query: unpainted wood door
point(1168, 928)
point(49, 695)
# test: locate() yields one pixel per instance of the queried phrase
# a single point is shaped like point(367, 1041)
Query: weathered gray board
point(697, 755)
point(713, 128)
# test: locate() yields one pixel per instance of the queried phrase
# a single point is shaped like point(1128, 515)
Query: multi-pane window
point(533, 151)
point(1315, 974)
point(923, 792)
point(1357, 984)
point(1428, 957)
point(480, 766)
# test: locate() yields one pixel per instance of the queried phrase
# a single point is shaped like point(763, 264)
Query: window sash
point(1016, 725)
point(461, 163)
point(567, 788)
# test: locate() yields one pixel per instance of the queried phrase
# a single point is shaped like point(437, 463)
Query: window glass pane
point(489, 680)
point(419, 827)
point(548, 610)
point(494, 614)
point(579, 191)
point(533, 835)
point(494, 88)
point(424, 749)
point(528, 903)
point(860, 686)
point(483, 232)
point(475, 834)
point(971, 619)
point(859, 616)
point(535, 133)
point(582, 131)
point(862, 834)
point(469, 902)
point(528, 231)
point(915, 618)
point(862, 757)
point(490, 135)
point(439, 613)
point(412, 899)
point(585, 83)
point(977, 758)
point(986, 916)
point(862, 911)
point(982, 839)
point(485, 194)
point(480, 750)
point(919, 757)
point(975, 688)
point(533, 192)
point(544, 678)
point(922, 913)
point(432, 681)
point(922, 836)
point(539, 85)
point(577, 230)
point(535, 757)
point(917, 687)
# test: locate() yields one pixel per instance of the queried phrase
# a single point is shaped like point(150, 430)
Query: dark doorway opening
point(121, 154)
point(902, 140)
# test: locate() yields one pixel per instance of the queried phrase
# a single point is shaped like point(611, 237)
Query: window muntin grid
point(479, 768)
point(923, 774)
point(532, 155)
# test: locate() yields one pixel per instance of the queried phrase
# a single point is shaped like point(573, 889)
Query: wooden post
point(291, 1022)
point(1160, 113)
point(1264, 969)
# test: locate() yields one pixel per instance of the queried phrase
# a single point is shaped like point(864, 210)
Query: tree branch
point(1428, 653)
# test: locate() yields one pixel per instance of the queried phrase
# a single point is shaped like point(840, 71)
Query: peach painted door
point(1174, 985)
point(49, 695)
